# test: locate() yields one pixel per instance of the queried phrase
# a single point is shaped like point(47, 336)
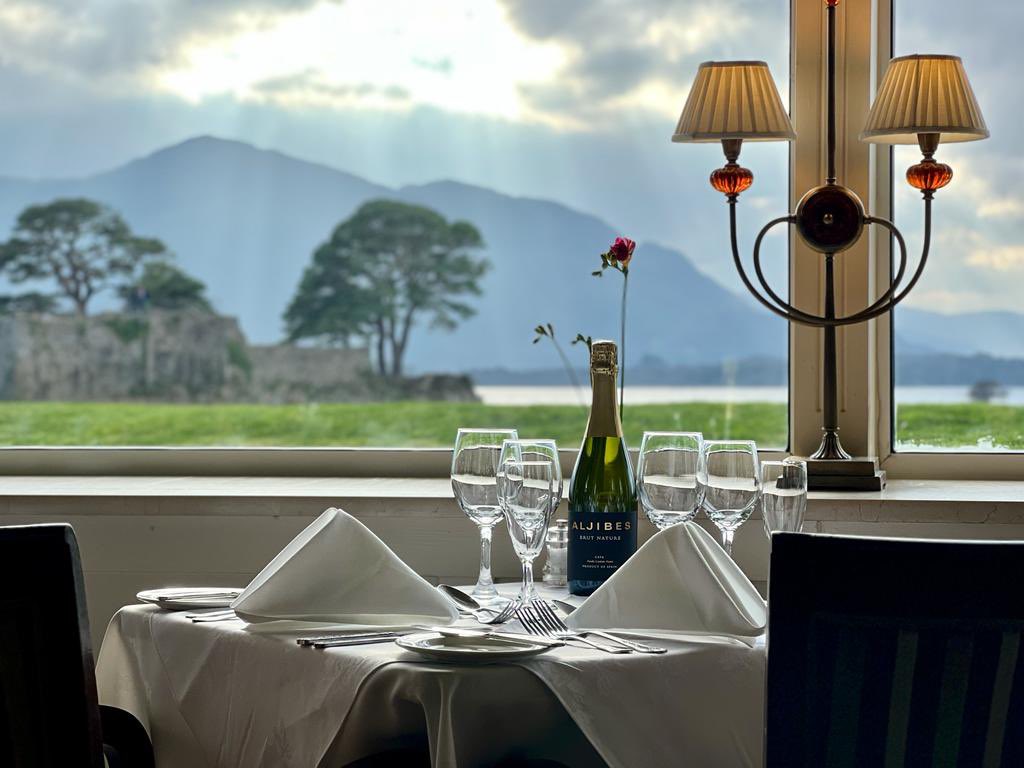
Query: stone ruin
point(187, 357)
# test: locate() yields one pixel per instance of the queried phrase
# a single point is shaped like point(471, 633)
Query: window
point(239, 224)
point(959, 337)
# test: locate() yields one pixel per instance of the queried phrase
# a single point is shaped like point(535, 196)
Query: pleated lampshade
point(733, 100)
point(924, 94)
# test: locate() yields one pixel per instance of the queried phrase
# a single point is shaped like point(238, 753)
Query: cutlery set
point(542, 623)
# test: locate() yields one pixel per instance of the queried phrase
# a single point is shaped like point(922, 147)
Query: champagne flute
point(783, 495)
point(667, 476)
point(475, 463)
point(730, 483)
point(525, 490)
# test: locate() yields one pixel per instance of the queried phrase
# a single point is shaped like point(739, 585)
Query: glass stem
point(484, 579)
point(527, 581)
point(727, 534)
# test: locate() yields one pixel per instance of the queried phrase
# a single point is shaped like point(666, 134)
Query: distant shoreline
point(523, 394)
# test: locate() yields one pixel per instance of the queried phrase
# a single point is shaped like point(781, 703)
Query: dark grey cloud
point(95, 38)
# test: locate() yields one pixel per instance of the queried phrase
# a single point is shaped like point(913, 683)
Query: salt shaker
point(557, 541)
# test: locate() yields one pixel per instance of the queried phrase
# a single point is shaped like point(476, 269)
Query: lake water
point(564, 395)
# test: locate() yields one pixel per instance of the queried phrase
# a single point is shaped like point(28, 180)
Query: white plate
point(217, 598)
point(468, 649)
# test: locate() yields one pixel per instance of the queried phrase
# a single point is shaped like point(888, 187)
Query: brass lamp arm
point(884, 303)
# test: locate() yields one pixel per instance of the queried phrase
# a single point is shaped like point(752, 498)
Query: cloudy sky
point(572, 100)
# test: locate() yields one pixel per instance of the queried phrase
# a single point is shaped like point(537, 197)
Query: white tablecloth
point(217, 694)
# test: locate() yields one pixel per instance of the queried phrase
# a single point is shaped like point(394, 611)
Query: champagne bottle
point(602, 492)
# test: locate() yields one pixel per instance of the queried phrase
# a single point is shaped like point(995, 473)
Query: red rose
point(622, 250)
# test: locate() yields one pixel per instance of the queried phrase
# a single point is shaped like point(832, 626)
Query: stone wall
point(167, 356)
point(287, 374)
point(183, 357)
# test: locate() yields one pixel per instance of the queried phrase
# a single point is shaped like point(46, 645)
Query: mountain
point(246, 220)
point(999, 334)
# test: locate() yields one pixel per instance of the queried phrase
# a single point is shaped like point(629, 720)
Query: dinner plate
point(468, 649)
point(189, 598)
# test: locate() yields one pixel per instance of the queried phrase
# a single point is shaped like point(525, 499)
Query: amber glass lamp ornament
point(922, 100)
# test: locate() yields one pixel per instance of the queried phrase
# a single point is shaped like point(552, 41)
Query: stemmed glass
point(783, 495)
point(667, 476)
point(475, 463)
point(730, 482)
point(530, 490)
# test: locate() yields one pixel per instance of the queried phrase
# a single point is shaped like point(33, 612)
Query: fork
point(502, 616)
point(548, 612)
point(536, 623)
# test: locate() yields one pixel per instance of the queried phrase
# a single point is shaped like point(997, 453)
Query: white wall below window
point(139, 533)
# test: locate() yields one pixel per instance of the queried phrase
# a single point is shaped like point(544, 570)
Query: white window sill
point(902, 501)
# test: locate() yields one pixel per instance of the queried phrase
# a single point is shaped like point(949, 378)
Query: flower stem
point(569, 370)
point(622, 343)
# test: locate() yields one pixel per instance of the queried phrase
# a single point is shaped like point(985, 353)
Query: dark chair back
point(890, 652)
point(48, 709)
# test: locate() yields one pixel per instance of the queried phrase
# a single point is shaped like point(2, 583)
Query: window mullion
point(855, 273)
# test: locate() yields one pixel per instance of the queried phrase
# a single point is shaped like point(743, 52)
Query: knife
point(358, 636)
point(361, 641)
point(549, 642)
point(568, 608)
point(164, 598)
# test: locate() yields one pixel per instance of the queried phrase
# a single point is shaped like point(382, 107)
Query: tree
point(33, 302)
point(80, 243)
point(985, 391)
point(384, 269)
point(164, 286)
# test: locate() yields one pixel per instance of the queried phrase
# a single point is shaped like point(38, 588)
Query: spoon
point(461, 598)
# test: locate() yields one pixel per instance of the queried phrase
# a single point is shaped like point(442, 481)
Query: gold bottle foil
point(604, 409)
point(604, 357)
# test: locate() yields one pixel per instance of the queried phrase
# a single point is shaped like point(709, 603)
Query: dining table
point(228, 694)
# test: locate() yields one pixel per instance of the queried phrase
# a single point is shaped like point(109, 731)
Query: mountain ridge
point(246, 220)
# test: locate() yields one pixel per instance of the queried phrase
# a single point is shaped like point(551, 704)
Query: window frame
point(865, 352)
point(864, 47)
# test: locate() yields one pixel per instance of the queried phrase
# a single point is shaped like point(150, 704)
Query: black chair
point(49, 715)
point(890, 652)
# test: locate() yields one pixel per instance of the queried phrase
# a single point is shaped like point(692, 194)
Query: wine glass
point(526, 540)
point(783, 495)
point(525, 489)
point(667, 476)
point(535, 449)
point(730, 481)
point(475, 463)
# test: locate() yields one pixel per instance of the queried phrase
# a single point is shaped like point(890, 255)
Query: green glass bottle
point(602, 492)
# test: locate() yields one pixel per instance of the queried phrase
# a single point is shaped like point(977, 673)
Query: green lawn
point(434, 424)
point(354, 424)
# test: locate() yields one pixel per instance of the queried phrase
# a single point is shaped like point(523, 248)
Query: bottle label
point(599, 543)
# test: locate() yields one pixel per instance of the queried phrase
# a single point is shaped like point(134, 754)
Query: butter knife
point(548, 642)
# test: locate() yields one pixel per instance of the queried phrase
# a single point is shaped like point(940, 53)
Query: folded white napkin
point(338, 571)
point(681, 580)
